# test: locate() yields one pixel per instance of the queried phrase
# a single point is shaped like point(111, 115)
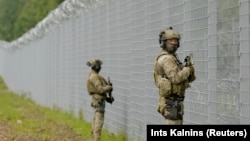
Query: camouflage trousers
point(98, 120)
point(164, 110)
point(97, 124)
point(174, 122)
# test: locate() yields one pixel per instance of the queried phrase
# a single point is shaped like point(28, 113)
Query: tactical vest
point(161, 81)
point(156, 72)
point(166, 87)
point(90, 86)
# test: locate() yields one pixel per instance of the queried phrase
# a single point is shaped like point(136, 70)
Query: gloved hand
point(109, 88)
point(191, 70)
point(110, 99)
point(192, 76)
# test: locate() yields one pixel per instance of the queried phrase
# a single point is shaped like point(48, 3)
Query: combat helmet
point(94, 61)
point(169, 34)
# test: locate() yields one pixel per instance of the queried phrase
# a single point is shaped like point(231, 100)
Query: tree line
point(19, 16)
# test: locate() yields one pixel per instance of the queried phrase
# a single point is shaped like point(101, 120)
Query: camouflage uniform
point(172, 79)
point(98, 88)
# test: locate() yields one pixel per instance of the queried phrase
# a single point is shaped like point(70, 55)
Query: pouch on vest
point(165, 87)
point(156, 75)
point(90, 87)
point(173, 110)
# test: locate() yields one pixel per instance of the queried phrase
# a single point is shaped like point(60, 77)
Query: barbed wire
point(65, 11)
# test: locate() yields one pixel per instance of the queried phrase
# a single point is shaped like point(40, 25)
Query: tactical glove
point(191, 70)
point(110, 99)
point(108, 88)
point(192, 76)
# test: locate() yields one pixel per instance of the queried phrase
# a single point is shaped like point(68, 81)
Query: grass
point(21, 118)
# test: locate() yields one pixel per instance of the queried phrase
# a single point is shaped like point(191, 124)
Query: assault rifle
point(110, 98)
point(189, 62)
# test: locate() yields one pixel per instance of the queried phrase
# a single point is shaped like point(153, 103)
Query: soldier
point(171, 77)
point(98, 88)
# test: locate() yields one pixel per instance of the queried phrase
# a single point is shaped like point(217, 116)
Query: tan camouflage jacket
point(170, 66)
point(96, 84)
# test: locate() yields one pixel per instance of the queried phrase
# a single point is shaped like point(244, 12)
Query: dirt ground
point(61, 133)
point(48, 129)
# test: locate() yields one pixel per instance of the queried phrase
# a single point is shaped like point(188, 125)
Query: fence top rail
point(65, 11)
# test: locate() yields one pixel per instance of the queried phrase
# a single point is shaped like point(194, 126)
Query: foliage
point(19, 16)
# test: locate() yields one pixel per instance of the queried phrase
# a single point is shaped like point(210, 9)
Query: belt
point(104, 95)
point(176, 97)
point(91, 93)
